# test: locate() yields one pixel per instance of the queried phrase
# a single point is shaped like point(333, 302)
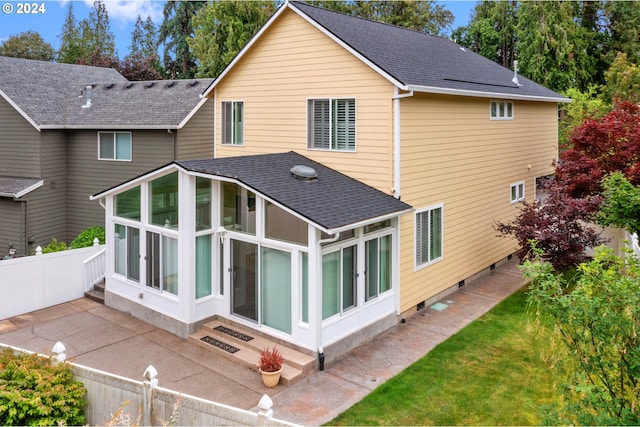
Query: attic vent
point(170, 84)
point(304, 172)
point(192, 83)
point(128, 85)
point(108, 86)
point(148, 85)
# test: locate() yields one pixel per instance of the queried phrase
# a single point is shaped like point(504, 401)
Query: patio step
point(97, 293)
point(243, 346)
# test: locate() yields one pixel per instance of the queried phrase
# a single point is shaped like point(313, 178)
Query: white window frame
point(516, 192)
point(231, 140)
point(333, 142)
point(419, 235)
point(116, 157)
point(501, 110)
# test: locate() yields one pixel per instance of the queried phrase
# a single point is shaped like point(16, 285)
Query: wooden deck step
point(243, 346)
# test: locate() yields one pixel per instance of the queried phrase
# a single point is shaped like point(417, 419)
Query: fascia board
point(192, 113)
point(29, 189)
point(19, 110)
point(482, 94)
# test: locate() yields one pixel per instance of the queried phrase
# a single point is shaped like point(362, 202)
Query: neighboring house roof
point(51, 95)
point(332, 201)
point(413, 60)
point(16, 187)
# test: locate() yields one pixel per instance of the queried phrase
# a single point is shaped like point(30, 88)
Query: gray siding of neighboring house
point(86, 175)
point(47, 204)
point(19, 144)
point(12, 230)
point(195, 140)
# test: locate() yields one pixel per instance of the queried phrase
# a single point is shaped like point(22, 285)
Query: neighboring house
point(70, 130)
point(440, 142)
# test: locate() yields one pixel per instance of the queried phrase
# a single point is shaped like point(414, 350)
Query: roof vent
point(304, 172)
point(149, 84)
point(170, 84)
point(128, 85)
point(87, 92)
point(192, 83)
point(515, 74)
point(108, 86)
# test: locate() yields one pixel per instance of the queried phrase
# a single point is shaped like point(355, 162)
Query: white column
point(187, 246)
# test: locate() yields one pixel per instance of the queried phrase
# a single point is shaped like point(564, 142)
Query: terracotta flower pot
point(271, 379)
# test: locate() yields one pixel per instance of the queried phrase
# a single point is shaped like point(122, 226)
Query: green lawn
point(490, 373)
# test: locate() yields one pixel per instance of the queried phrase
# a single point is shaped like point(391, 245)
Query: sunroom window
point(164, 201)
point(238, 208)
point(378, 266)
point(127, 204)
point(127, 251)
point(281, 225)
point(339, 281)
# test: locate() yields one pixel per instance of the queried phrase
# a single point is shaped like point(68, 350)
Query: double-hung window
point(501, 110)
point(233, 122)
point(429, 236)
point(331, 124)
point(114, 146)
point(517, 192)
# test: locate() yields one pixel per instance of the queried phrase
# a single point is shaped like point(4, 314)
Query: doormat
point(439, 306)
point(221, 345)
point(235, 334)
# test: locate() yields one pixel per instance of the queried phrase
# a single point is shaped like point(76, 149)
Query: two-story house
point(69, 131)
point(359, 170)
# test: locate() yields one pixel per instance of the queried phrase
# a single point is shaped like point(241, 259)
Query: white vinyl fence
point(35, 282)
point(145, 403)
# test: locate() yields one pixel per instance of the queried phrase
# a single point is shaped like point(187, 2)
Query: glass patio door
point(244, 284)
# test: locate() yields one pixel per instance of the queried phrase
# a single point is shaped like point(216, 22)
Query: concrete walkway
point(106, 339)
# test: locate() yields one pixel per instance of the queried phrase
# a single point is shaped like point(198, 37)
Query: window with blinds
point(332, 124)
point(428, 235)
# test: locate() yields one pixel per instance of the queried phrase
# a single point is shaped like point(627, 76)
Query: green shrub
point(34, 392)
point(85, 239)
point(54, 246)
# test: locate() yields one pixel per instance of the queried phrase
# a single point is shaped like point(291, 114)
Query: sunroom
point(275, 242)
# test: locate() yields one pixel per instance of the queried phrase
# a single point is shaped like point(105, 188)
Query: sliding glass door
point(261, 284)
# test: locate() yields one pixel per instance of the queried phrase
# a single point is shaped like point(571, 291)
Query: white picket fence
point(146, 403)
point(35, 282)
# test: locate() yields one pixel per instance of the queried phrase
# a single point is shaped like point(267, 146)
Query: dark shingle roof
point(52, 94)
point(333, 200)
point(417, 59)
point(152, 104)
point(11, 186)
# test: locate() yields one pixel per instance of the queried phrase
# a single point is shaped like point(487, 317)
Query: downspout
point(396, 139)
point(332, 239)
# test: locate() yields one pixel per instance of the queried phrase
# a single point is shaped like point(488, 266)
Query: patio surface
point(106, 339)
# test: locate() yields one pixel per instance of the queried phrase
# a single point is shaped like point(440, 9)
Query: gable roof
point(332, 201)
point(50, 96)
point(412, 60)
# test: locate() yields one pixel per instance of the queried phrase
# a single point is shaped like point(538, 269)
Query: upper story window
point(517, 192)
point(233, 122)
point(501, 110)
point(331, 124)
point(114, 146)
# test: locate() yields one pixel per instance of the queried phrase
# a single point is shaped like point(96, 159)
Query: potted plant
point(270, 365)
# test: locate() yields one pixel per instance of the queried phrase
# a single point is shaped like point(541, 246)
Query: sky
point(48, 17)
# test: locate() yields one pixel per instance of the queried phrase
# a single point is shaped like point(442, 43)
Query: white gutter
point(481, 94)
point(29, 189)
point(396, 139)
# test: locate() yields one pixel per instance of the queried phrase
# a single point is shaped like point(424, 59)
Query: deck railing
point(94, 267)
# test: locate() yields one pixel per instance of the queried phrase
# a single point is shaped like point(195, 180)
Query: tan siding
point(19, 144)
point(87, 175)
point(195, 139)
point(453, 154)
point(289, 65)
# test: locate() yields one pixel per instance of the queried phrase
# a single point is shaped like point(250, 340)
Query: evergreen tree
point(70, 46)
point(95, 32)
point(221, 29)
point(175, 31)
